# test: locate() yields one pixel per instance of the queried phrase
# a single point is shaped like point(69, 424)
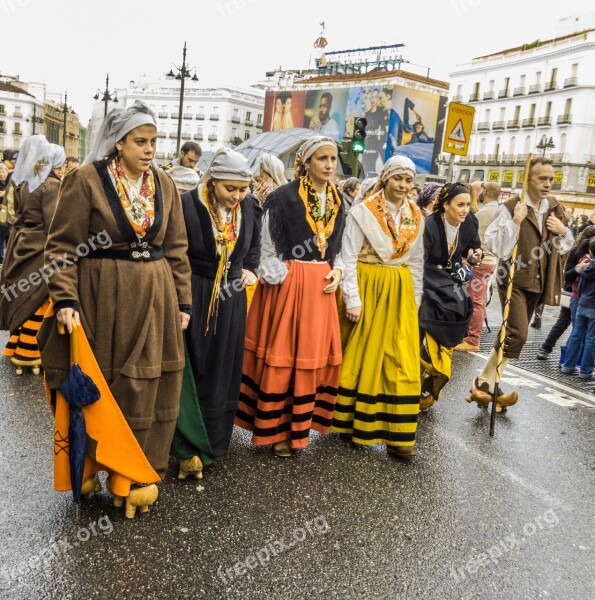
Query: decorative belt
point(137, 252)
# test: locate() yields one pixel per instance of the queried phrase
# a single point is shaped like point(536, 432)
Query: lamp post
point(34, 119)
point(65, 109)
point(183, 72)
point(107, 96)
point(545, 143)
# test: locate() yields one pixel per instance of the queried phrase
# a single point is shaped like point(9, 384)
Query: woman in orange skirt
point(292, 355)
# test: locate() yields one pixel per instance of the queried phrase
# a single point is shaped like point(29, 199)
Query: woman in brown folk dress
point(132, 293)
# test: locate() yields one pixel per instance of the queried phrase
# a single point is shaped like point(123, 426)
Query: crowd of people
point(358, 294)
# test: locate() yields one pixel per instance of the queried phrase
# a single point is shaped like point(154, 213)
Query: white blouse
point(352, 243)
point(501, 235)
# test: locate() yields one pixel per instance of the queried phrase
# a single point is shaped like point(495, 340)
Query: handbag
point(565, 299)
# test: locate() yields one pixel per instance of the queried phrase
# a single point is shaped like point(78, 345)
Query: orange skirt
point(22, 346)
point(292, 358)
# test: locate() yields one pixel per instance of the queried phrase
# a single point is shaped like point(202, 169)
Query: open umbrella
point(78, 390)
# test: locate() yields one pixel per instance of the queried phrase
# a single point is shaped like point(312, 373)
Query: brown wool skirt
point(292, 358)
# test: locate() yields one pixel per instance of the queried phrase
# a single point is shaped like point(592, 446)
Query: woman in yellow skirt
point(382, 261)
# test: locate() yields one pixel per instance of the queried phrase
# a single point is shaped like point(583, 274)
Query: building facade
point(21, 114)
point(213, 117)
point(28, 108)
point(537, 98)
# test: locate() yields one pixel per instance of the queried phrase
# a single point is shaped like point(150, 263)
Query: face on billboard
point(324, 109)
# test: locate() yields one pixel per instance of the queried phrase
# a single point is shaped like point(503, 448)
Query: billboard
point(401, 120)
point(284, 110)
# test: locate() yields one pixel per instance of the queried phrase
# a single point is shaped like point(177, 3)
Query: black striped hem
point(377, 434)
point(386, 398)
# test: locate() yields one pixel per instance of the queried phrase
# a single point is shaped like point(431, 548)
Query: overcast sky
point(71, 45)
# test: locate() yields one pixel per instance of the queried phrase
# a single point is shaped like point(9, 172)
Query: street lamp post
point(34, 119)
point(107, 96)
point(183, 72)
point(65, 109)
point(545, 143)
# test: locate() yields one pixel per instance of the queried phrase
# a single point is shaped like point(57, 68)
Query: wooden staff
point(506, 307)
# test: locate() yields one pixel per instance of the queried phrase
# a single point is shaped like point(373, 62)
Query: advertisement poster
point(374, 104)
point(413, 127)
point(325, 112)
point(284, 110)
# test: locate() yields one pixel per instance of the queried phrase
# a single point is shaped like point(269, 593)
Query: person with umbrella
point(132, 296)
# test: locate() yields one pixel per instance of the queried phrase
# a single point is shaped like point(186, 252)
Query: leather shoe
point(483, 397)
point(542, 354)
point(466, 347)
point(402, 451)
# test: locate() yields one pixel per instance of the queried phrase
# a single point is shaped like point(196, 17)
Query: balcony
point(519, 91)
point(200, 116)
point(544, 122)
point(458, 98)
point(473, 97)
point(492, 159)
point(186, 136)
point(163, 115)
point(535, 89)
point(187, 115)
point(483, 126)
point(488, 96)
point(465, 160)
point(174, 115)
point(514, 124)
point(507, 159)
point(521, 158)
point(558, 158)
point(162, 134)
point(259, 125)
point(235, 120)
point(212, 137)
point(551, 86)
point(213, 117)
point(570, 82)
point(530, 122)
point(17, 113)
point(503, 94)
point(249, 123)
point(199, 137)
point(498, 125)
point(479, 159)
point(160, 155)
point(17, 132)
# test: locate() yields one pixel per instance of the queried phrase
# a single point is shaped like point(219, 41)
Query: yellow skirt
point(378, 399)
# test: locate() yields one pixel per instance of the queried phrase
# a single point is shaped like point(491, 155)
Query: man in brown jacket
point(539, 224)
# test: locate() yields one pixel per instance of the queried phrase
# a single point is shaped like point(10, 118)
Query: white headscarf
point(185, 179)
point(367, 185)
point(395, 165)
point(271, 165)
point(228, 164)
point(37, 158)
point(116, 125)
point(312, 144)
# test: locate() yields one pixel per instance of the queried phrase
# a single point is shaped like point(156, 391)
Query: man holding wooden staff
point(538, 226)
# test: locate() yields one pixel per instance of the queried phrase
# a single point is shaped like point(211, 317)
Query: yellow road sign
point(457, 132)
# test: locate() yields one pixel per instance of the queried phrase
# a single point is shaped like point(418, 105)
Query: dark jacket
point(446, 307)
point(290, 232)
point(586, 287)
point(201, 241)
point(436, 246)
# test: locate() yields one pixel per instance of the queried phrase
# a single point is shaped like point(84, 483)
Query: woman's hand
point(335, 277)
point(66, 316)
point(248, 278)
point(582, 265)
point(474, 256)
point(354, 314)
point(184, 320)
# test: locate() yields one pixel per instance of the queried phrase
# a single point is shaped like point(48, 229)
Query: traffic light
point(359, 135)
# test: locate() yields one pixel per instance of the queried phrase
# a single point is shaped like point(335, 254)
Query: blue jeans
point(583, 335)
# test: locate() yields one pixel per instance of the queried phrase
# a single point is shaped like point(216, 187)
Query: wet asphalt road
point(472, 517)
